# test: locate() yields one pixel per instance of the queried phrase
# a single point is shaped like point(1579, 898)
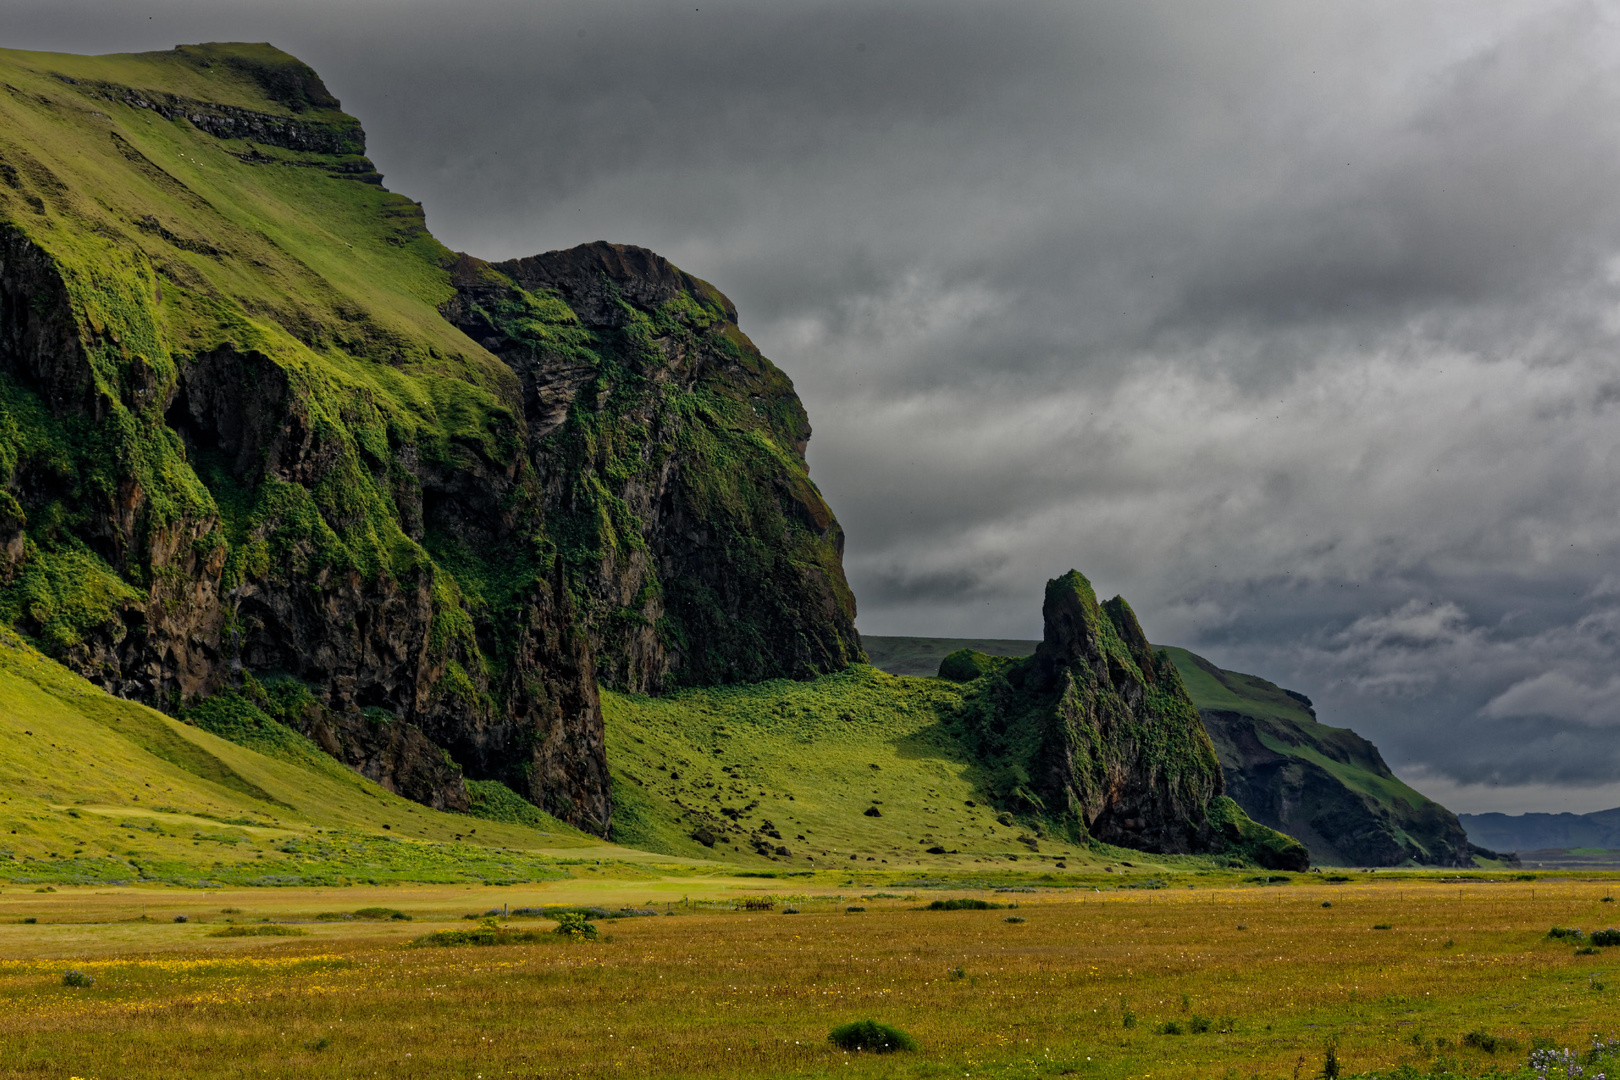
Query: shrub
point(1327, 903)
point(1382, 926)
point(870, 1035)
point(962, 903)
point(790, 911)
point(1609, 936)
point(181, 918)
point(1482, 1040)
point(1586, 950)
point(855, 907)
point(1199, 1024)
point(379, 914)
point(1565, 933)
point(30, 919)
point(1170, 1027)
point(77, 978)
point(488, 932)
point(263, 930)
point(1013, 918)
point(573, 925)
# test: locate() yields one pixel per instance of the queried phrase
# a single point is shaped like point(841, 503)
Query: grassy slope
point(95, 788)
point(811, 758)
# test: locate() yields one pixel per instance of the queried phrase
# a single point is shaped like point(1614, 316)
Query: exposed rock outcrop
point(671, 455)
point(1097, 730)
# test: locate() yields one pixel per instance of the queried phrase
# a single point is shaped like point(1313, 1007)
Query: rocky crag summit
point(270, 452)
point(1096, 734)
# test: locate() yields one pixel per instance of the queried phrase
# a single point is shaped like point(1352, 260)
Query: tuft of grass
point(77, 978)
point(870, 1036)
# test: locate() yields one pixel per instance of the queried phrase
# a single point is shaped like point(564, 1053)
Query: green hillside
point(1327, 786)
point(808, 760)
point(97, 789)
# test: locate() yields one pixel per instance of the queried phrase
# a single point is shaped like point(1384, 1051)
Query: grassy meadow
point(1401, 972)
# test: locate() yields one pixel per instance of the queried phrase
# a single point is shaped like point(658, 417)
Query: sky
point(1296, 323)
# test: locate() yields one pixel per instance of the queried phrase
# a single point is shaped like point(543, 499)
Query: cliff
point(1096, 732)
point(1328, 786)
point(248, 455)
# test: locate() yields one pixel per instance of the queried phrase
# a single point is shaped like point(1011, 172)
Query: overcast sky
point(1297, 323)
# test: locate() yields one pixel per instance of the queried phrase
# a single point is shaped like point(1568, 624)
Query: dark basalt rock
point(1096, 734)
point(723, 563)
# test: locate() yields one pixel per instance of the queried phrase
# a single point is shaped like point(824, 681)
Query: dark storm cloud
point(1294, 322)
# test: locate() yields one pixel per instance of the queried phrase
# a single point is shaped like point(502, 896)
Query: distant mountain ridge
point(1538, 832)
point(1326, 786)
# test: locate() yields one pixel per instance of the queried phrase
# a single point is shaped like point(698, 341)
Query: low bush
point(572, 924)
point(1382, 926)
point(855, 907)
point(380, 914)
point(1608, 936)
point(962, 903)
point(488, 932)
point(1199, 1024)
point(871, 1036)
point(1586, 950)
point(262, 930)
point(181, 918)
point(1170, 1027)
point(77, 978)
point(1565, 933)
point(1013, 918)
point(1483, 1040)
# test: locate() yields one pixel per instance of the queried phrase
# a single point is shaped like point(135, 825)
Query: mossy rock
point(965, 665)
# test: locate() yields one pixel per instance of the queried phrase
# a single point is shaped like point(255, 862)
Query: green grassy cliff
point(1326, 785)
point(247, 448)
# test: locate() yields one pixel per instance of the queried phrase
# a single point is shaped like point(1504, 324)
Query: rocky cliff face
point(1328, 786)
point(671, 456)
point(240, 457)
point(1097, 729)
